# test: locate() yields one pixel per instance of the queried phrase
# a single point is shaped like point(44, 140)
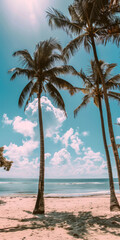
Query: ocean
point(56, 187)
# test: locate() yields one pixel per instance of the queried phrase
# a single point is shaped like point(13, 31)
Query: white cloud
point(47, 155)
point(32, 106)
point(48, 106)
point(77, 169)
point(85, 133)
point(76, 142)
point(6, 120)
point(24, 127)
point(58, 113)
point(62, 156)
point(16, 153)
point(91, 155)
point(118, 120)
point(65, 138)
point(117, 137)
point(70, 139)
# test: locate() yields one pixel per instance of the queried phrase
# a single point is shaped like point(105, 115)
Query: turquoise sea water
point(56, 187)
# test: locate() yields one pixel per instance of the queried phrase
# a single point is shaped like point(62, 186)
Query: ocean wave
point(78, 194)
point(75, 194)
point(73, 183)
point(4, 182)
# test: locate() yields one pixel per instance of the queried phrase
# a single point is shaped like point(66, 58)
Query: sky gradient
point(73, 147)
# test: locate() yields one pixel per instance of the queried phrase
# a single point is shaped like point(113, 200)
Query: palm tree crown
point(43, 73)
point(87, 18)
point(93, 85)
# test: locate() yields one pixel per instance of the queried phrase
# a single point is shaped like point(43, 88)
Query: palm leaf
point(24, 93)
point(73, 46)
point(63, 84)
point(57, 19)
point(57, 98)
point(86, 100)
point(19, 71)
point(64, 69)
point(114, 95)
point(96, 101)
point(25, 57)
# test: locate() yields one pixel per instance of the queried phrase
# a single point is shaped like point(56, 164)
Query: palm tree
point(42, 74)
point(3, 162)
point(93, 89)
point(88, 21)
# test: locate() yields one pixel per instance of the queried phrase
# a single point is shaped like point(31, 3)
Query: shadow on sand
point(76, 226)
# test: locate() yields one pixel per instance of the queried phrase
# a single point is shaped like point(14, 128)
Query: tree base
point(114, 208)
point(38, 211)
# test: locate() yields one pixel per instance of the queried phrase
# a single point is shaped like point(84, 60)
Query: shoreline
point(59, 196)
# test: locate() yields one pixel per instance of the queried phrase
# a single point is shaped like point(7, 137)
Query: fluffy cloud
point(47, 155)
point(91, 155)
point(118, 120)
point(63, 167)
point(62, 156)
point(25, 127)
point(65, 138)
point(71, 139)
point(16, 153)
point(32, 106)
point(48, 106)
point(117, 137)
point(55, 121)
point(76, 142)
point(6, 120)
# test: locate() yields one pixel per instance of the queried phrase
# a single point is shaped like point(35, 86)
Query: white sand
point(65, 219)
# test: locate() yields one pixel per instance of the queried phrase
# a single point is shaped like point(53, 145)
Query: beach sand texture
point(65, 219)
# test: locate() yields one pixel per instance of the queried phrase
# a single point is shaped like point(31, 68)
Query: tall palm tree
point(42, 73)
point(88, 22)
point(93, 89)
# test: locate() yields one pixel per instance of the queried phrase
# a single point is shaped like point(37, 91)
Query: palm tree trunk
point(39, 206)
point(109, 118)
point(114, 205)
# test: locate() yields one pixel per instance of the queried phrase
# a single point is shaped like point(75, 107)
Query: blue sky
point(73, 147)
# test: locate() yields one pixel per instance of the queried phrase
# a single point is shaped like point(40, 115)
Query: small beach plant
point(43, 76)
point(93, 90)
point(3, 161)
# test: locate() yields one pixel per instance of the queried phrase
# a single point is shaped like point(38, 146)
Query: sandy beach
point(65, 219)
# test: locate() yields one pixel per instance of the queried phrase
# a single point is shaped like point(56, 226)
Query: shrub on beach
point(3, 162)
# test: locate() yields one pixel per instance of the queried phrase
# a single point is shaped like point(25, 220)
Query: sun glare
point(26, 10)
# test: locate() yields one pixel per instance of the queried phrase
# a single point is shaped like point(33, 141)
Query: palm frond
point(86, 100)
point(56, 96)
point(64, 69)
point(73, 14)
point(63, 84)
point(34, 90)
point(24, 93)
point(59, 20)
point(21, 72)
point(96, 101)
point(25, 57)
point(73, 46)
point(87, 81)
point(109, 68)
point(114, 95)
